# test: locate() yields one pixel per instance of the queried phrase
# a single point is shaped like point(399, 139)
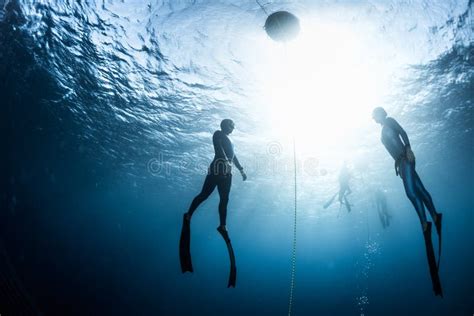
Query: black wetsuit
point(392, 136)
point(219, 174)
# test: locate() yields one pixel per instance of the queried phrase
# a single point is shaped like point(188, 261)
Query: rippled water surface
point(108, 108)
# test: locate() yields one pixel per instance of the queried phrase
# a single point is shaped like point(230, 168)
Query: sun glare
point(320, 87)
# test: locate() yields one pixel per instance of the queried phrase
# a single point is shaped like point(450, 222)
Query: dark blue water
point(108, 108)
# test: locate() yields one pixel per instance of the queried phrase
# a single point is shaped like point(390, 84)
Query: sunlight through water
point(321, 87)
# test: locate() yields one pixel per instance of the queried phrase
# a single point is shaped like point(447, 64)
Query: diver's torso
point(223, 155)
point(392, 142)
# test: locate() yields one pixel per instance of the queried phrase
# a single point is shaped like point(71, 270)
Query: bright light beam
point(321, 87)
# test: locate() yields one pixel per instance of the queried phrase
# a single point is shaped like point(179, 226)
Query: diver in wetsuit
point(219, 172)
point(395, 140)
point(380, 201)
point(219, 175)
point(344, 189)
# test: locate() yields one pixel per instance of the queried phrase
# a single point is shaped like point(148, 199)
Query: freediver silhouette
point(344, 189)
point(396, 141)
point(380, 202)
point(219, 175)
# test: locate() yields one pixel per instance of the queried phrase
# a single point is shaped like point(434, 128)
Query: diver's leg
point(223, 187)
point(379, 213)
point(207, 188)
point(340, 196)
point(407, 171)
point(437, 217)
point(381, 217)
point(387, 217)
point(343, 193)
point(379, 209)
point(384, 208)
point(346, 202)
point(386, 212)
point(426, 197)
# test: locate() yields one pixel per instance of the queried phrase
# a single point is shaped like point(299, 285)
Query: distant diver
point(380, 201)
point(344, 189)
point(219, 175)
point(395, 140)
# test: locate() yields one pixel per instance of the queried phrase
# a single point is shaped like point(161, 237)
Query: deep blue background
point(87, 237)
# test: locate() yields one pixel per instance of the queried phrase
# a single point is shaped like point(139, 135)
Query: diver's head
point(379, 115)
point(227, 126)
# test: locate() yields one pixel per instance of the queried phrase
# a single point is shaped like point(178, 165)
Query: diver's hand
point(244, 176)
point(410, 155)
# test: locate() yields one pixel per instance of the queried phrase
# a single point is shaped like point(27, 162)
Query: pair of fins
point(432, 263)
point(185, 251)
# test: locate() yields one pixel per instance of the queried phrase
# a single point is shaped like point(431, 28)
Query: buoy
point(282, 26)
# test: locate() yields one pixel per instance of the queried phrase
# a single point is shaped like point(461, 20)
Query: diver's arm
point(397, 127)
point(239, 166)
point(237, 163)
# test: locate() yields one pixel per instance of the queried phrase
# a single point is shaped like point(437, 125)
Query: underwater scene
point(237, 157)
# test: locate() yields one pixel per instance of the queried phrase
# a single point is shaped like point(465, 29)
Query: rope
point(261, 6)
point(293, 255)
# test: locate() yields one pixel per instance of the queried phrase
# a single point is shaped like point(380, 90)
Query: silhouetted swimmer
point(344, 189)
point(220, 172)
point(395, 140)
point(380, 201)
point(219, 175)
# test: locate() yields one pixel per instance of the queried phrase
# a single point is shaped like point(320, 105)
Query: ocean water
point(108, 108)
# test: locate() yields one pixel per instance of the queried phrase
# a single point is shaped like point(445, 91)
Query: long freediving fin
point(328, 203)
point(432, 262)
point(185, 245)
point(438, 224)
point(233, 269)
